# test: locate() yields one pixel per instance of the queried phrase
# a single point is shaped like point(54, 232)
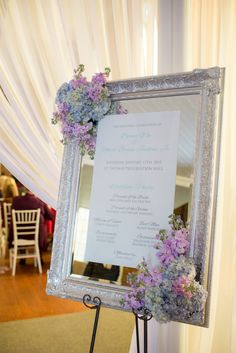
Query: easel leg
point(94, 329)
point(137, 333)
point(94, 303)
point(144, 315)
point(145, 337)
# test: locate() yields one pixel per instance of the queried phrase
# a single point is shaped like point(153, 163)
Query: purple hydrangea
point(183, 286)
point(169, 290)
point(81, 105)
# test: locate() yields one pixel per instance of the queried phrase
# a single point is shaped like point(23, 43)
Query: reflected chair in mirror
point(3, 240)
point(26, 237)
point(7, 217)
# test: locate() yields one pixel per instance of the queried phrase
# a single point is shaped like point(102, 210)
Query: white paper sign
point(133, 186)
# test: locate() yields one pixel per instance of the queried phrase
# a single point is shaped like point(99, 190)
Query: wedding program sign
point(133, 186)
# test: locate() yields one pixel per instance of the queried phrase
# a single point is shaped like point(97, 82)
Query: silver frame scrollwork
point(209, 84)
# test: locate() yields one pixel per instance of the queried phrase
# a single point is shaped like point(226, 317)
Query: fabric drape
point(209, 40)
point(211, 33)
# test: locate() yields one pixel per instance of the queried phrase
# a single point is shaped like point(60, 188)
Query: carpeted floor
point(70, 333)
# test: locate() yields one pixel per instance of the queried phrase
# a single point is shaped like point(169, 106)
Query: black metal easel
point(143, 314)
point(93, 303)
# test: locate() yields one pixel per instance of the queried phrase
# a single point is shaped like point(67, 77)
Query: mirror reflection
point(189, 108)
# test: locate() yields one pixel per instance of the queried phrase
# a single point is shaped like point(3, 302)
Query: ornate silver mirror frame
point(208, 85)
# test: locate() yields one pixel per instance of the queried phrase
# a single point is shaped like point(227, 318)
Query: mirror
point(75, 270)
point(189, 115)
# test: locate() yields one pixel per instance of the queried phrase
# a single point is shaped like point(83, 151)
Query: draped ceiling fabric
point(42, 41)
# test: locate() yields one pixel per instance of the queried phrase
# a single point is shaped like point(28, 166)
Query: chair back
point(7, 216)
point(1, 234)
point(1, 215)
point(26, 224)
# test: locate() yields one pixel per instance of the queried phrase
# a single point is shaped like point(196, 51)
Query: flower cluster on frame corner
point(169, 290)
point(81, 104)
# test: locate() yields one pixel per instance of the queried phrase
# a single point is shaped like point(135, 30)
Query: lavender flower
point(172, 244)
point(99, 79)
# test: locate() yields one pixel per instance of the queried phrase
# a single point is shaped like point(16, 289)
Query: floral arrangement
point(169, 291)
point(81, 104)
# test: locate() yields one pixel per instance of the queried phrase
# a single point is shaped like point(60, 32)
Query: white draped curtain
point(211, 41)
point(42, 41)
